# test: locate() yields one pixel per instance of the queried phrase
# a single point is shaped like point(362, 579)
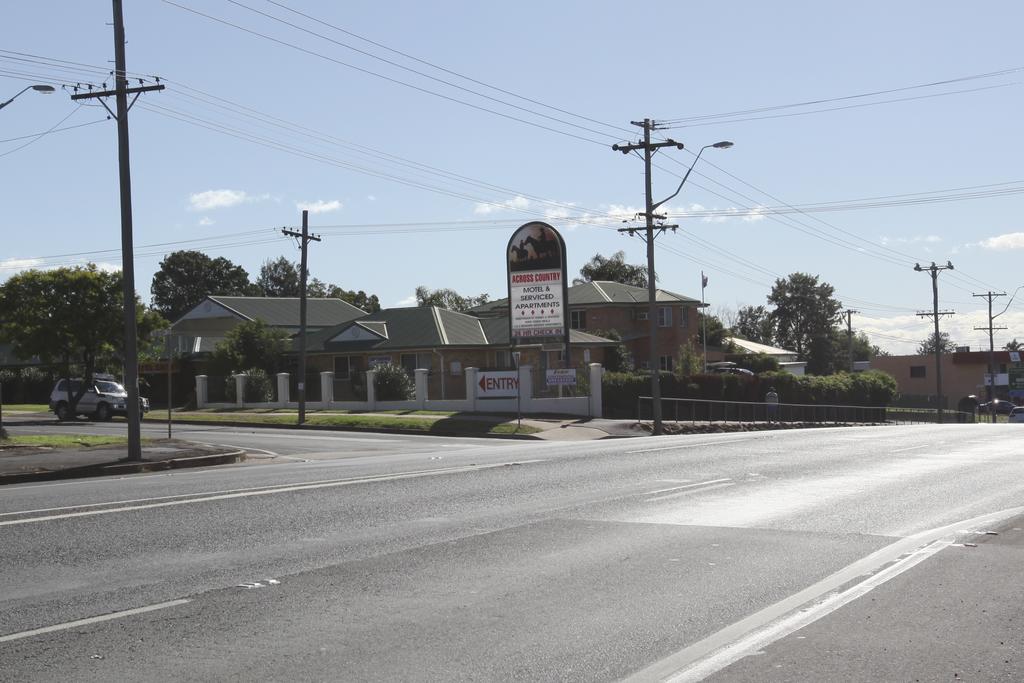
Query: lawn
point(429, 423)
point(64, 441)
point(26, 407)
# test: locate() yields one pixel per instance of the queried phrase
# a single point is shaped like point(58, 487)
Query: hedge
point(621, 390)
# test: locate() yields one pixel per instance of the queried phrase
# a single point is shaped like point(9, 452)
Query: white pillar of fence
point(240, 389)
point(326, 387)
point(596, 371)
point(525, 387)
point(202, 391)
point(471, 387)
point(371, 389)
point(283, 388)
point(421, 387)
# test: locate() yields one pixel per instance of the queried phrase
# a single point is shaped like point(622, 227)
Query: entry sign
point(538, 292)
point(498, 384)
point(561, 377)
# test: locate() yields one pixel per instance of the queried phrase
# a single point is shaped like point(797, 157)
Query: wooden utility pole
point(934, 270)
point(990, 385)
point(849, 334)
point(131, 350)
point(305, 238)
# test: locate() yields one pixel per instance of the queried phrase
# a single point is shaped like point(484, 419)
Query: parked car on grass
point(101, 401)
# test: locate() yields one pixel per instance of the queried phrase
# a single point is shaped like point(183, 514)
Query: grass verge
point(427, 425)
point(27, 407)
point(65, 441)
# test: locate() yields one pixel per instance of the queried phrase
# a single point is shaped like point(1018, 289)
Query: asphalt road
point(438, 559)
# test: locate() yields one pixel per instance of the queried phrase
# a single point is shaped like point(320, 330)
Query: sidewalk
point(25, 464)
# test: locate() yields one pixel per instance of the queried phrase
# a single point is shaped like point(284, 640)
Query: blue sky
point(420, 178)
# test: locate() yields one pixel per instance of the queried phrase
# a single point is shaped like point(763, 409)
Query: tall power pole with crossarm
point(305, 238)
point(934, 270)
point(131, 351)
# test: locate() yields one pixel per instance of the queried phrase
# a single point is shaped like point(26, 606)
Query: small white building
point(787, 359)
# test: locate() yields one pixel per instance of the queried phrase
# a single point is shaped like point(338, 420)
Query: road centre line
point(686, 486)
point(692, 445)
point(263, 491)
point(678, 494)
point(91, 620)
point(752, 633)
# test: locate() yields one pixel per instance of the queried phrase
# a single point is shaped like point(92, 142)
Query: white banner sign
point(561, 377)
point(536, 303)
point(498, 384)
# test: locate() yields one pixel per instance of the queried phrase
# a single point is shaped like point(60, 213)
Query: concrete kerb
point(344, 428)
point(124, 467)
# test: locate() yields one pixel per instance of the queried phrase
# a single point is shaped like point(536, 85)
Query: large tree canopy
point(927, 345)
point(279, 277)
point(756, 324)
point(186, 277)
point(252, 344)
point(613, 269)
point(70, 316)
point(805, 315)
point(448, 298)
point(368, 302)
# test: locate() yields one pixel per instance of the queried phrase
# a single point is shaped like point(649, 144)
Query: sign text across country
point(538, 293)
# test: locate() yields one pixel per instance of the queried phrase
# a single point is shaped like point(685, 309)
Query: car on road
point(1017, 414)
point(101, 401)
point(1000, 407)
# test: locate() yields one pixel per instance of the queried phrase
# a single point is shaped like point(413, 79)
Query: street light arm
point(4, 104)
point(683, 181)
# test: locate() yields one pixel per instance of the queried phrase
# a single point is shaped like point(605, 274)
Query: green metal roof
point(596, 293)
point(284, 311)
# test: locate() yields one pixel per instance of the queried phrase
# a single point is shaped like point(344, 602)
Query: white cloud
point(407, 301)
point(1011, 240)
point(371, 198)
point(19, 264)
point(517, 203)
point(916, 239)
point(319, 206)
point(222, 199)
point(108, 267)
point(206, 220)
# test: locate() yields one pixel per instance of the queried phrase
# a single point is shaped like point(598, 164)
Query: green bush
point(621, 390)
point(258, 387)
point(394, 383)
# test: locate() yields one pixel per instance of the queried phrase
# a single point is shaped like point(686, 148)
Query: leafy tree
point(927, 345)
point(805, 315)
point(613, 269)
point(252, 344)
point(689, 360)
point(368, 302)
point(618, 358)
point(393, 383)
point(279, 278)
point(863, 349)
point(70, 315)
point(186, 277)
point(1012, 345)
point(715, 329)
point(756, 324)
point(448, 298)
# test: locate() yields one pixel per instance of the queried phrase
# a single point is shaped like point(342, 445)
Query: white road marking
point(911, 448)
point(687, 486)
point(91, 620)
point(678, 494)
point(263, 491)
point(691, 445)
point(758, 630)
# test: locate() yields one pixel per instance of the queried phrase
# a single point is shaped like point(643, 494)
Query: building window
point(917, 370)
point(645, 365)
point(641, 315)
point(664, 316)
point(665, 363)
point(684, 317)
point(578, 320)
point(342, 368)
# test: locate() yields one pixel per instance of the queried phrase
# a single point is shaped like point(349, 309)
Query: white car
point(104, 399)
point(1017, 414)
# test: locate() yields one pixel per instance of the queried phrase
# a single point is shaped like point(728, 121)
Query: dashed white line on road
point(691, 445)
point(91, 620)
point(702, 488)
point(686, 486)
point(910, 448)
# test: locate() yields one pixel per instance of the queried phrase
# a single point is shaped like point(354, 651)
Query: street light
point(649, 149)
point(45, 89)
